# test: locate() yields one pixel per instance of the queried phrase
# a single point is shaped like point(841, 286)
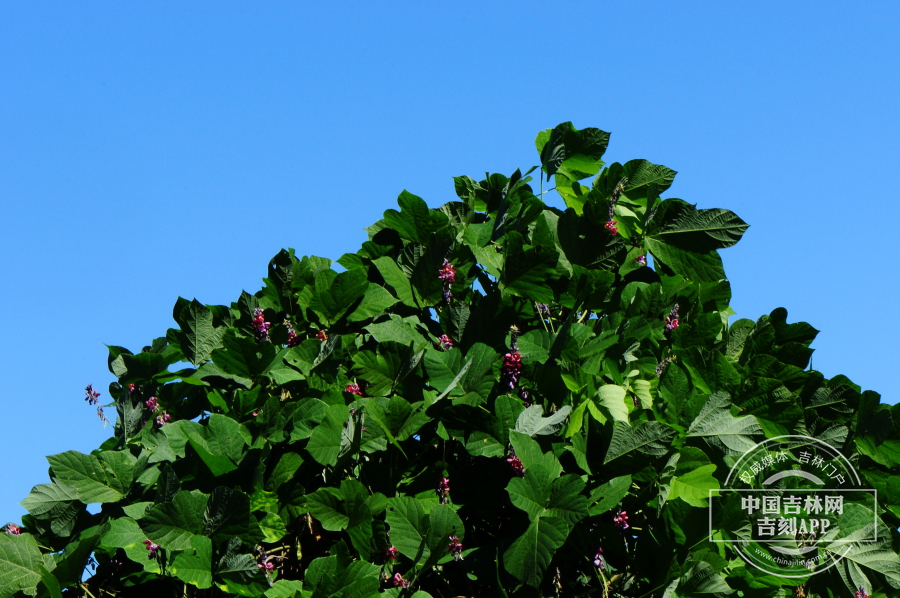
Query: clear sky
point(151, 150)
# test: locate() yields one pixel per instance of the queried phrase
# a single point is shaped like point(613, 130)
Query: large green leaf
point(173, 524)
point(106, 478)
point(719, 428)
point(415, 222)
point(529, 555)
point(195, 566)
point(326, 439)
point(683, 225)
point(649, 438)
point(198, 336)
point(20, 559)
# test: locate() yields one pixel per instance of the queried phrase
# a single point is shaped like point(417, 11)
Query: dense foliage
point(491, 398)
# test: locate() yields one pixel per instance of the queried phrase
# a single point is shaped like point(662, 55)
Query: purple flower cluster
point(447, 274)
point(511, 370)
point(268, 566)
point(163, 418)
point(260, 326)
point(455, 547)
point(610, 223)
point(860, 593)
point(12, 528)
point(354, 389)
point(390, 553)
point(322, 335)
point(444, 342)
point(516, 465)
point(399, 581)
point(543, 309)
point(672, 321)
point(91, 395)
point(663, 364)
point(443, 490)
point(152, 404)
point(641, 259)
point(612, 226)
point(598, 559)
point(293, 339)
point(621, 520)
point(152, 548)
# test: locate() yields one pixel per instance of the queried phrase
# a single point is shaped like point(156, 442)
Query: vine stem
point(86, 591)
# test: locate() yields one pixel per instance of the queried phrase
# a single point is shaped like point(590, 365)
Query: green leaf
point(374, 302)
point(95, 479)
point(693, 487)
point(325, 504)
point(198, 336)
point(335, 294)
point(325, 442)
point(56, 502)
point(529, 556)
point(284, 588)
point(310, 413)
point(415, 222)
point(531, 421)
point(20, 562)
point(122, 532)
point(649, 438)
point(173, 524)
point(684, 226)
point(397, 329)
point(195, 567)
point(396, 279)
point(695, 266)
point(406, 516)
point(527, 274)
point(609, 494)
point(716, 425)
point(612, 398)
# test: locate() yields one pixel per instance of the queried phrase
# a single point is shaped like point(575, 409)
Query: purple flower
point(91, 395)
point(12, 528)
point(444, 343)
point(443, 490)
point(663, 365)
point(455, 547)
point(354, 389)
point(260, 326)
point(153, 548)
point(399, 581)
point(152, 404)
point(322, 335)
point(641, 259)
point(511, 370)
point(860, 593)
point(671, 321)
point(163, 418)
point(391, 553)
point(132, 389)
point(543, 309)
point(447, 274)
point(269, 566)
point(293, 339)
point(516, 465)
point(611, 226)
point(621, 520)
point(598, 559)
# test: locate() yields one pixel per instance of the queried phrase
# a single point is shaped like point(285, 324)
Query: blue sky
point(151, 150)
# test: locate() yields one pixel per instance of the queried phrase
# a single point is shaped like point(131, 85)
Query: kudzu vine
point(491, 398)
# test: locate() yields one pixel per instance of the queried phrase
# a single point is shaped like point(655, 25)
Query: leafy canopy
point(462, 410)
